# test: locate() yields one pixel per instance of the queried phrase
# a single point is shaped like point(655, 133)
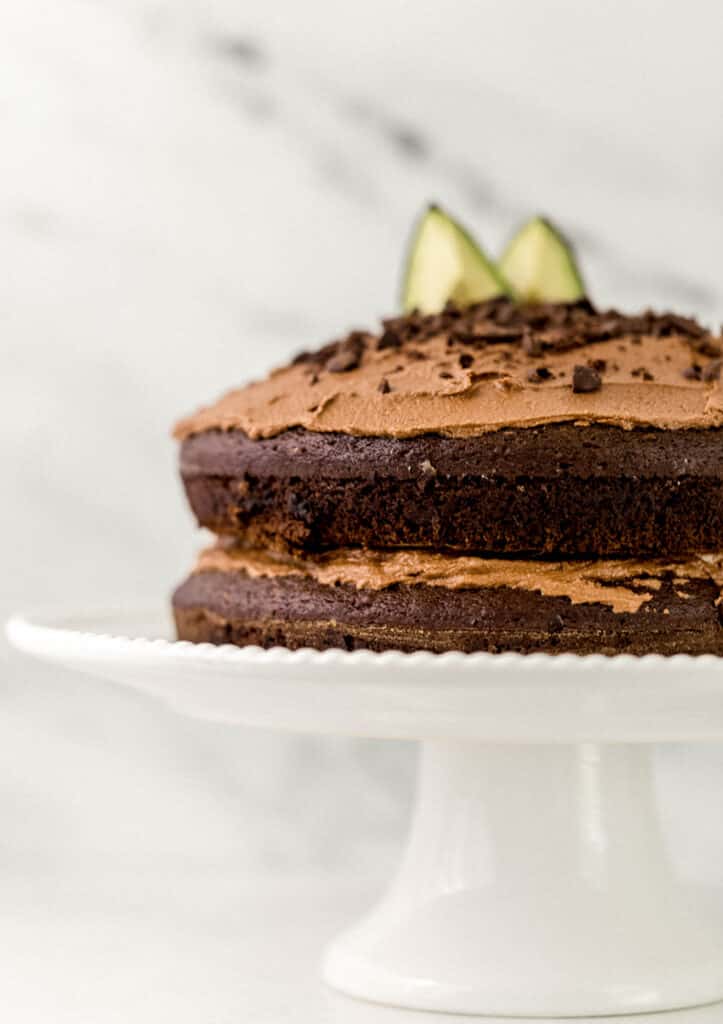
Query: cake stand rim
point(506, 697)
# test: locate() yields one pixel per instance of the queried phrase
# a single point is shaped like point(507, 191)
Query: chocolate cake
point(412, 600)
point(527, 477)
point(497, 429)
point(501, 468)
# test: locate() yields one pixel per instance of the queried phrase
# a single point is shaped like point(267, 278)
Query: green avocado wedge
point(540, 266)
point(445, 262)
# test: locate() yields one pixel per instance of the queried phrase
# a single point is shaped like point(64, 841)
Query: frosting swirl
point(491, 366)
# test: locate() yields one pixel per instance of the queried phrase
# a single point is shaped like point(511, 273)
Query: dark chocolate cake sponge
point(499, 429)
point(415, 600)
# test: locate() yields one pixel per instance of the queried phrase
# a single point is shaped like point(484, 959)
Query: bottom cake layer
point(414, 600)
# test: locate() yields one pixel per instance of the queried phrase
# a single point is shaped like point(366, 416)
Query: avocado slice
point(445, 262)
point(540, 266)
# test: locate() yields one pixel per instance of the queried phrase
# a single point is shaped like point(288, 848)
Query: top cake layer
point(491, 366)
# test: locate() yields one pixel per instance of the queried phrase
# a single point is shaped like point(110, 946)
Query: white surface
point(189, 943)
point(177, 214)
point(536, 880)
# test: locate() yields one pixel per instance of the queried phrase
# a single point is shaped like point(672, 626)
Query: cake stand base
point(535, 883)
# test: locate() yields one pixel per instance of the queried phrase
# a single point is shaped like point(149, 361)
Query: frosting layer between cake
point(624, 585)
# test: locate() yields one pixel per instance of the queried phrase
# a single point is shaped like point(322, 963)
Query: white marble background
point(188, 192)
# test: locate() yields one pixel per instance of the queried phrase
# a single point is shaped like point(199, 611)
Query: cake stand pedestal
point(535, 881)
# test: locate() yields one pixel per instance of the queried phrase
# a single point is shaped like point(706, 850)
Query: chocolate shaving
point(664, 325)
point(537, 328)
point(348, 354)
point(585, 379)
point(559, 339)
point(465, 360)
point(706, 347)
point(388, 339)
point(485, 375)
point(317, 358)
point(384, 387)
point(584, 305)
point(539, 375)
point(493, 335)
point(482, 337)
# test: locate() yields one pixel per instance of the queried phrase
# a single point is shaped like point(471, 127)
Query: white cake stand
point(535, 881)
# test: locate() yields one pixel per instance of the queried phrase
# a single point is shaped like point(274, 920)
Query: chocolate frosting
point(623, 584)
point(493, 365)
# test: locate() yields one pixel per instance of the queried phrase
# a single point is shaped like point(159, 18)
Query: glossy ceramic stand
point(535, 881)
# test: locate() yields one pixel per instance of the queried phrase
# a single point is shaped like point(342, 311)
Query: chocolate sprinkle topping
point(585, 379)
point(706, 347)
point(536, 327)
point(388, 339)
point(348, 354)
